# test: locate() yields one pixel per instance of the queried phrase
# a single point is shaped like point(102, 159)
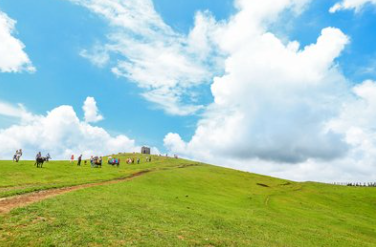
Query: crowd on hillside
point(371, 184)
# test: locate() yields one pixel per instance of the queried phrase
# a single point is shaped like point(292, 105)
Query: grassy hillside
point(193, 206)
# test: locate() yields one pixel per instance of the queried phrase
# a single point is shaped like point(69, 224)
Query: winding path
point(9, 203)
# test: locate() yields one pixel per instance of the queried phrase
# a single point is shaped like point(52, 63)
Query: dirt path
point(9, 203)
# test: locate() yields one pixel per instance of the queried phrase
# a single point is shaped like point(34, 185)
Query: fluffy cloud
point(91, 111)
point(167, 65)
point(356, 5)
point(12, 55)
point(61, 133)
point(283, 110)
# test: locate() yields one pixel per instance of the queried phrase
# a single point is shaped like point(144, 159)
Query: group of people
point(17, 155)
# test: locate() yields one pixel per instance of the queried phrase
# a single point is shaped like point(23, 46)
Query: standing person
point(72, 158)
point(15, 156)
point(19, 155)
point(138, 160)
point(79, 160)
point(48, 157)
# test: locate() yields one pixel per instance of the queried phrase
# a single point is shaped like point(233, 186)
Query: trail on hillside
point(9, 203)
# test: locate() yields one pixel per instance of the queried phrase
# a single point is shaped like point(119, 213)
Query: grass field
point(195, 206)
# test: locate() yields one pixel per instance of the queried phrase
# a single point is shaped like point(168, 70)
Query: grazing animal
point(39, 162)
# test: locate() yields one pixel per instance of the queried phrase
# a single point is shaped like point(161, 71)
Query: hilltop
point(176, 202)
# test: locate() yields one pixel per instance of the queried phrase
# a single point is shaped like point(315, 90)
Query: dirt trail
point(9, 203)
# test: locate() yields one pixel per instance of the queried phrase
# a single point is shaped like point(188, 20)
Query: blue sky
point(57, 32)
point(66, 78)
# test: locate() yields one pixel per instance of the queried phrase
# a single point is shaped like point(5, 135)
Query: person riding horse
point(96, 161)
point(39, 160)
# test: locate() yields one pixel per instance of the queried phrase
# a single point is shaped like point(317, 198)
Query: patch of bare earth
point(9, 203)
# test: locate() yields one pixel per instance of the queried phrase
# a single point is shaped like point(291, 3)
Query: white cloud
point(61, 133)
point(166, 64)
point(356, 5)
point(91, 111)
point(12, 55)
point(283, 110)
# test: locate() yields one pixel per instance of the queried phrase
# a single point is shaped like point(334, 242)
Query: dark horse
point(39, 162)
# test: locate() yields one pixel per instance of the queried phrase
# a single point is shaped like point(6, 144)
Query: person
point(79, 160)
point(92, 160)
point(48, 157)
point(138, 160)
point(19, 155)
point(132, 160)
point(72, 158)
point(15, 156)
point(39, 155)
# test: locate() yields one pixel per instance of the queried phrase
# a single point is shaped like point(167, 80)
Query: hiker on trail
point(79, 160)
point(72, 158)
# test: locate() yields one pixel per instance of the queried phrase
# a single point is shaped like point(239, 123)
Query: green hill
point(181, 203)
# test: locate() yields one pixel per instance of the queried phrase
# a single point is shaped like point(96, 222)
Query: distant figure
point(85, 162)
point(138, 160)
point(79, 160)
point(132, 160)
point(39, 160)
point(72, 158)
point(48, 157)
point(15, 156)
point(19, 155)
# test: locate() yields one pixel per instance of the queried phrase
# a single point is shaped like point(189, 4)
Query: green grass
point(194, 206)
point(23, 177)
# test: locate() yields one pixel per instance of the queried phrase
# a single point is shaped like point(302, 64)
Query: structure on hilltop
point(145, 150)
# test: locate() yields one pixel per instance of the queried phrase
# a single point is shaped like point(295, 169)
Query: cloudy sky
point(285, 88)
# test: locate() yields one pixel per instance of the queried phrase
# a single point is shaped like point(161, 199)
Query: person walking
point(72, 158)
point(79, 160)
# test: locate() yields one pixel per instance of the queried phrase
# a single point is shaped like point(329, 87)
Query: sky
point(284, 88)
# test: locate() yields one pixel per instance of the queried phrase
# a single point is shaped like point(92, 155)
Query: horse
point(39, 162)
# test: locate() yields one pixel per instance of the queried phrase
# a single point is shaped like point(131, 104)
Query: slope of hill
point(179, 205)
